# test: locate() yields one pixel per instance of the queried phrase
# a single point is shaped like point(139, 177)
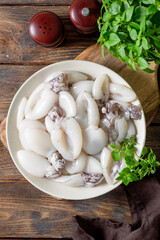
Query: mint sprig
point(130, 31)
point(137, 167)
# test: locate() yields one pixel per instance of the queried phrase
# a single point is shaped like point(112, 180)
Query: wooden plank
point(16, 46)
point(156, 119)
point(26, 211)
point(36, 2)
point(11, 78)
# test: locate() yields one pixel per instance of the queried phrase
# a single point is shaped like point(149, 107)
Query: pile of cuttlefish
point(67, 123)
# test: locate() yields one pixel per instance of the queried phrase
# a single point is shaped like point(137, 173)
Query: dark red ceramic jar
point(84, 14)
point(46, 29)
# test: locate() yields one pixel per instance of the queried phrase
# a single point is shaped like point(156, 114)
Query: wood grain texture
point(17, 47)
point(145, 85)
point(35, 2)
point(31, 213)
point(156, 119)
point(3, 132)
point(11, 78)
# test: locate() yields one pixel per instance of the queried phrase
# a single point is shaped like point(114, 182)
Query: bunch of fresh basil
point(130, 31)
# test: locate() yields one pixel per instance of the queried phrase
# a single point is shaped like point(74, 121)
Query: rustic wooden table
point(26, 212)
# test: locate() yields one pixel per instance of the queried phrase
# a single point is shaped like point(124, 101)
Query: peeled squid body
point(23, 125)
point(107, 163)
point(50, 125)
point(39, 141)
point(68, 139)
point(80, 87)
point(87, 110)
point(32, 124)
point(21, 111)
point(32, 134)
point(69, 76)
point(67, 103)
point(101, 87)
point(34, 164)
point(73, 76)
point(40, 102)
point(122, 93)
point(121, 127)
point(72, 180)
point(94, 140)
point(131, 129)
point(92, 165)
point(77, 165)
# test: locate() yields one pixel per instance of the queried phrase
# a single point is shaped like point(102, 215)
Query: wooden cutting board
point(144, 84)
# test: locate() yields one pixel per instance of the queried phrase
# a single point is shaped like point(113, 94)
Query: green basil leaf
point(122, 53)
point(116, 155)
point(142, 24)
point(148, 70)
point(134, 25)
point(138, 43)
point(140, 12)
point(145, 44)
point(126, 180)
point(107, 45)
point(131, 46)
point(122, 35)
point(115, 7)
point(138, 50)
point(118, 17)
point(126, 5)
point(102, 50)
point(152, 9)
point(149, 23)
point(148, 1)
point(132, 64)
point(142, 63)
point(105, 27)
point(131, 54)
point(133, 34)
point(119, 178)
point(156, 54)
point(123, 16)
point(106, 35)
point(129, 13)
point(106, 16)
point(129, 160)
point(144, 151)
point(157, 41)
point(112, 145)
point(114, 28)
point(131, 147)
point(135, 177)
point(113, 39)
point(125, 171)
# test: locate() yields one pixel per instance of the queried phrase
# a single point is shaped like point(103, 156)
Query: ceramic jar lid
point(46, 29)
point(84, 14)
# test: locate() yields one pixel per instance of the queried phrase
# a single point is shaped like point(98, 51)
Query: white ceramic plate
point(45, 185)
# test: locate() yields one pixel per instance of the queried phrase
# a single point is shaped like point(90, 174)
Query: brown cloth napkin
point(144, 201)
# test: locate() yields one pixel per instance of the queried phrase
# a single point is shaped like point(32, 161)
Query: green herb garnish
point(137, 167)
point(130, 31)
